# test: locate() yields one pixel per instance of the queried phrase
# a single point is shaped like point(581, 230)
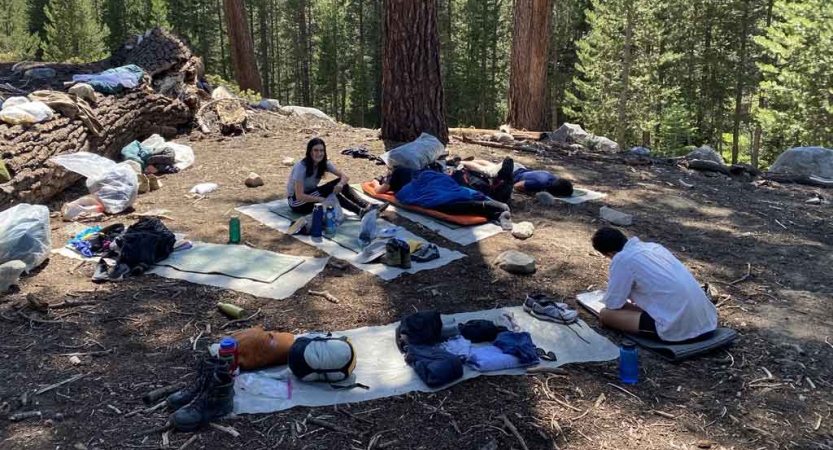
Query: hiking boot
point(405, 257)
point(101, 270)
point(297, 226)
point(540, 307)
point(153, 183)
point(214, 401)
point(505, 220)
point(206, 369)
point(393, 254)
point(144, 183)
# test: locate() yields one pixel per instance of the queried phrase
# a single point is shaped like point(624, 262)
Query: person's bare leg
point(625, 319)
point(477, 165)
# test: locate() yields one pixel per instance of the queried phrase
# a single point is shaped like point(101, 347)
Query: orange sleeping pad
point(367, 187)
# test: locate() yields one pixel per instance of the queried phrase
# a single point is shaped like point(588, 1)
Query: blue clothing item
point(113, 81)
point(84, 248)
point(518, 344)
point(135, 152)
point(435, 366)
point(534, 180)
point(489, 358)
point(430, 189)
point(78, 237)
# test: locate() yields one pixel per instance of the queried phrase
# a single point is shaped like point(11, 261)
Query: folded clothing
point(480, 330)
point(519, 345)
point(420, 328)
point(489, 358)
point(434, 365)
point(459, 346)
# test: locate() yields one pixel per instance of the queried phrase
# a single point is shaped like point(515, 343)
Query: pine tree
point(797, 83)
point(16, 43)
point(73, 32)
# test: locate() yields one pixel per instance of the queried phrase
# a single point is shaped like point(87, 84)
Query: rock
point(306, 111)
point(253, 180)
point(569, 133)
point(221, 92)
point(603, 144)
point(523, 230)
point(84, 91)
point(10, 274)
point(615, 217)
point(269, 104)
point(516, 262)
point(40, 73)
point(807, 161)
point(74, 360)
point(640, 151)
point(545, 198)
point(288, 161)
point(503, 138)
point(706, 153)
point(704, 444)
point(232, 116)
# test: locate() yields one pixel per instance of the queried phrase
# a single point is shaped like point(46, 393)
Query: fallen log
point(519, 135)
point(708, 166)
point(125, 117)
point(799, 179)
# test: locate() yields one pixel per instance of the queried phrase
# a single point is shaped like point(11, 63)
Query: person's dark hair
point(399, 177)
point(609, 240)
point(561, 188)
point(309, 164)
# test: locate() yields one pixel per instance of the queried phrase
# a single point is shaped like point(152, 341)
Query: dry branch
point(325, 294)
point(511, 427)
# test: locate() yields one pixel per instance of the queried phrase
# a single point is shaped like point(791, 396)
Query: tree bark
point(756, 140)
point(263, 16)
point(622, 128)
point(739, 83)
point(242, 46)
point(528, 73)
point(412, 86)
point(304, 53)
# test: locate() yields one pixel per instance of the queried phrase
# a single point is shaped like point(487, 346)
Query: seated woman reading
point(438, 191)
point(303, 190)
point(666, 302)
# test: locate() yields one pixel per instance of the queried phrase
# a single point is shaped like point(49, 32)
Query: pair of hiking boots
point(397, 254)
point(209, 397)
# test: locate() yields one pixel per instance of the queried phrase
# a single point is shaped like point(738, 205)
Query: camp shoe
point(205, 370)
point(101, 270)
point(405, 257)
point(540, 307)
point(214, 401)
point(297, 226)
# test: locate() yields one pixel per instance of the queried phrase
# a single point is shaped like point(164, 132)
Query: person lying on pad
point(497, 185)
point(666, 303)
point(525, 180)
point(438, 191)
point(303, 190)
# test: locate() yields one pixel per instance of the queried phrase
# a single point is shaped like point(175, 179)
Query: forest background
point(751, 78)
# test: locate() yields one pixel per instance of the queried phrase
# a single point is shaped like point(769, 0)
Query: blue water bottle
point(330, 222)
point(628, 363)
point(317, 221)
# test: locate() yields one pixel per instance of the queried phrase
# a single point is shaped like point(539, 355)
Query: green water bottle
point(234, 230)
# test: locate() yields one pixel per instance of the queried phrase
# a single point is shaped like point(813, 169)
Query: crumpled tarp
point(113, 81)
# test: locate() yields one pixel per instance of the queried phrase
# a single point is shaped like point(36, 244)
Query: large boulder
point(604, 145)
point(516, 262)
point(807, 161)
point(569, 133)
point(706, 153)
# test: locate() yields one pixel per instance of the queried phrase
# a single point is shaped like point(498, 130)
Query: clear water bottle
point(628, 363)
point(330, 222)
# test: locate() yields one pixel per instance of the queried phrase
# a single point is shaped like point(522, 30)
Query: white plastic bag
point(25, 235)
point(369, 227)
point(332, 200)
point(29, 112)
point(85, 205)
point(204, 188)
point(417, 154)
point(261, 385)
point(15, 101)
point(115, 185)
point(184, 155)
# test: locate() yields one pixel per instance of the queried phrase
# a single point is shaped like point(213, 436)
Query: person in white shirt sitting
point(666, 302)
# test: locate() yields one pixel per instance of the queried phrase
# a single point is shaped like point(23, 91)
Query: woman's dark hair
point(310, 164)
point(609, 240)
point(561, 188)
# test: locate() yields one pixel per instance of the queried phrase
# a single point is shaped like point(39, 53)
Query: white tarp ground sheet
point(283, 287)
point(382, 367)
point(263, 214)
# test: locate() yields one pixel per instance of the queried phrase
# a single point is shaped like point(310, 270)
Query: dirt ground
point(771, 390)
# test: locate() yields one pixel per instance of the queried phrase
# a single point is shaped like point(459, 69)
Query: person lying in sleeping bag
point(666, 302)
point(524, 180)
point(438, 191)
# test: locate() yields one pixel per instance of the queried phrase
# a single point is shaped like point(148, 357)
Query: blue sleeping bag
point(430, 189)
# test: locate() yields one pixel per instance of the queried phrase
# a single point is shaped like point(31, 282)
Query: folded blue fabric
point(435, 366)
point(518, 344)
point(430, 189)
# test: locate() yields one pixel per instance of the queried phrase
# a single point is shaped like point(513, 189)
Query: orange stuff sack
point(257, 348)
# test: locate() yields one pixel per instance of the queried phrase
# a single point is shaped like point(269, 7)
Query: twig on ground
point(229, 430)
point(25, 415)
point(93, 353)
point(36, 320)
point(664, 414)
point(818, 423)
point(508, 424)
point(782, 225)
point(165, 439)
point(626, 392)
point(189, 442)
point(599, 401)
point(72, 303)
point(114, 409)
point(245, 319)
point(156, 394)
point(743, 278)
point(827, 341)
point(326, 294)
point(161, 429)
point(333, 427)
point(387, 444)
point(59, 384)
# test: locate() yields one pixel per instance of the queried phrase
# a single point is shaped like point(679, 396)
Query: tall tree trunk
point(223, 68)
point(528, 73)
point(412, 85)
point(362, 79)
point(262, 16)
point(622, 127)
point(756, 140)
point(303, 42)
point(242, 47)
point(739, 83)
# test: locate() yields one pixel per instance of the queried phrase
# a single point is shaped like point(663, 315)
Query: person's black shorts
point(647, 326)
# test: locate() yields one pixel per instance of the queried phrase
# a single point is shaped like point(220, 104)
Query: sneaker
point(101, 270)
point(541, 308)
point(297, 226)
point(505, 220)
point(119, 272)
